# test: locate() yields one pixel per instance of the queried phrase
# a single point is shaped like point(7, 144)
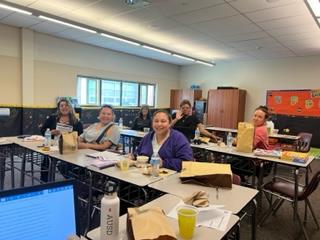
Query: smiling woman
point(171, 145)
point(101, 135)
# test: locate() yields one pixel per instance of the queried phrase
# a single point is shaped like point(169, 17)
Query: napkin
point(197, 199)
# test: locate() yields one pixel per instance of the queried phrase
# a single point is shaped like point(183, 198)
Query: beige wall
point(57, 62)
point(256, 77)
point(10, 66)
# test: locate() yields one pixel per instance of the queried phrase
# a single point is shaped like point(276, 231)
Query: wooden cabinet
point(177, 95)
point(226, 107)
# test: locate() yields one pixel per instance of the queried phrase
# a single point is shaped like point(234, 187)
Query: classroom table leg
point(2, 170)
point(253, 220)
point(305, 202)
point(295, 200)
point(23, 167)
point(11, 150)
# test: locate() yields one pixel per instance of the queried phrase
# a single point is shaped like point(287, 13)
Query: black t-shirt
point(187, 125)
point(140, 123)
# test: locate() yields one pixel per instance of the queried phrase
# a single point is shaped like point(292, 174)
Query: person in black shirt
point(187, 123)
point(143, 120)
point(65, 115)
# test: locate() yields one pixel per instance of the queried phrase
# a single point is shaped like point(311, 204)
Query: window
point(96, 91)
point(147, 93)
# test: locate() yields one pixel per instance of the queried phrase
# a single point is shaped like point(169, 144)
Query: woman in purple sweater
point(171, 145)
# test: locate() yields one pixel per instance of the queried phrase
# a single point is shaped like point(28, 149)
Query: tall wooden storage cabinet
point(177, 95)
point(226, 107)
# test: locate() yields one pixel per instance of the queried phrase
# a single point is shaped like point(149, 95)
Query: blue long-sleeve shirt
point(172, 152)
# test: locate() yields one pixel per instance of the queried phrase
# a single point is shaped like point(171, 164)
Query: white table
point(133, 175)
point(168, 202)
point(130, 134)
point(219, 129)
point(234, 199)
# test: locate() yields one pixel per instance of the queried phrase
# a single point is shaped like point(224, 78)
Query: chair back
point(236, 179)
point(303, 143)
point(311, 186)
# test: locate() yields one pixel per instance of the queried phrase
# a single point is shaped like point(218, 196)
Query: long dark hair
point(140, 111)
point(72, 116)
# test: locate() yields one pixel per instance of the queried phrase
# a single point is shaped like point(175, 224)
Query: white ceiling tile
point(205, 14)
point(264, 43)
point(226, 26)
point(297, 21)
point(290, 10)
point(73, 33)
point(20, 20)
point(303, 43)
point(293, 30)
point(22, 2)
point(4, 13)
point(49, 27)
point(224, 30)
point(173, 7)
point(254, 5)
point(162, 24)
point(300, 36)
point(243, 37)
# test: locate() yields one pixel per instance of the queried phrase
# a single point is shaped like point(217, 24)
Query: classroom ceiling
point(209, 30)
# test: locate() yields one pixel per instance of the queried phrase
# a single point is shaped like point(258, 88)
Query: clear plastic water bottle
point(110, 210)
point(47, 140)
point(197, 134)
point(155, 164)
point(229, 139)
point(120, 123)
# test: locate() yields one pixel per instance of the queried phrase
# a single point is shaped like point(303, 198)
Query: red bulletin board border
point(294, 102)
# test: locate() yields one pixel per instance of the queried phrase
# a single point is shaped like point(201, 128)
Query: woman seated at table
point(65, 117)
point(187, 123)
point(171, 145)
point(64, 120)
point(261, 137)
point(143, 120)
point(102, 135)
point(243, 167)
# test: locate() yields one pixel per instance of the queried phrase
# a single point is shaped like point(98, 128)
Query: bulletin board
point(294, 102)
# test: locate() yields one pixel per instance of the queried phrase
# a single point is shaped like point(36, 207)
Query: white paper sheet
point(213, 216)
point(106, 155)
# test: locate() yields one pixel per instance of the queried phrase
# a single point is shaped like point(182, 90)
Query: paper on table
point(106, 155)
point(33, 138)
point(104, 159)
point(212, 216)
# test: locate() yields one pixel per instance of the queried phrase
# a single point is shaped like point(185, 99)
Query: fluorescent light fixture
point(67, 24)
point(183, 57)
point(156, 49)
point(205, 63)
point(119, 39)
point(315, 7)
point(15, 9)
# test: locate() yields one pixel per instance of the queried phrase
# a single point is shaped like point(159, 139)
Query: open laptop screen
point(38, 212)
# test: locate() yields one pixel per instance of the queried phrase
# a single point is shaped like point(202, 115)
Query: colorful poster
point(294, 102)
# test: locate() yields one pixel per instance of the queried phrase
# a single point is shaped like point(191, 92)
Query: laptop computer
point(39, 212)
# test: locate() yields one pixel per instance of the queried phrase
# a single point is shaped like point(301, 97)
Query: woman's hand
point(55, 132)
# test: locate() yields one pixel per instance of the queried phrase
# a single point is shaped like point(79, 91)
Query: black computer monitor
point(39, 212)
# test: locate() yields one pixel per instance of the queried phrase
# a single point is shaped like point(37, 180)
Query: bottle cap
point(111, 187)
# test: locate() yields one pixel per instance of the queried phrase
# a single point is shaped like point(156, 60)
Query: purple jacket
point(173, 151)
